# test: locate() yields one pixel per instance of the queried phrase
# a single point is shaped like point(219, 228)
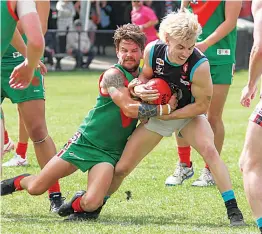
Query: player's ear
point(167, 39)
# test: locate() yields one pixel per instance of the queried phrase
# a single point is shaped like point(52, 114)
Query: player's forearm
point(18, 43)
point(255, 68)
point(224, 29)
point(150, 23)
point(189, 111)
point(34, 52)
point(143, 110)
point(184, 4)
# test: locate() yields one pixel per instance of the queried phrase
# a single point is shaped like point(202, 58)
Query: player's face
point(179, 51)
point(129, 55)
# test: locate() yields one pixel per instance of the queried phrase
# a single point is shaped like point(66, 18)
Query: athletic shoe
point(16, 161)
point(206, 179)
point(182, 172)
point(56, 201)
point(8, 187)
point(82, 216)
point(236, 218)
point(9, 146)
point(67, 209)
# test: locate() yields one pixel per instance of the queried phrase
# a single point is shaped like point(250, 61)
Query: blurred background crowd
point(83, 30)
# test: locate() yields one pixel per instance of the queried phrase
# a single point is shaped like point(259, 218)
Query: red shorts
point(256, 116)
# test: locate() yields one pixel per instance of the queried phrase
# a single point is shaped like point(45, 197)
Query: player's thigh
point(198, 133)
point(222, 76)
point(141, 142)
point(99, 180)
point(80, 152)
point(34, 92)
point(253, 146)
point(55, 169)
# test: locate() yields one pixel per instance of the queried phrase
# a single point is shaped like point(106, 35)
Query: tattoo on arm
point(113, 81)
point(209, 98)
point(147, 111)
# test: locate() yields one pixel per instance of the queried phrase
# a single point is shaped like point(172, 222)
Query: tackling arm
point(113, 84)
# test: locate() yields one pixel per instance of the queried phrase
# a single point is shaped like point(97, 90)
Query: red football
point(163, 88)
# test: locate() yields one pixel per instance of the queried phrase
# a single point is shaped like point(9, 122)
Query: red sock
point(17, 182)
point(55, 188)
point(6, 138)
point(21, 149)
point(184, 155)
point(207, 167)
point(76, 205)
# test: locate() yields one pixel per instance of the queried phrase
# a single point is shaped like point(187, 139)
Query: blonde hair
point(182, 25)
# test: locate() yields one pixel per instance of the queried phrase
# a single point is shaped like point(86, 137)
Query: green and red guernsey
point(210, 15)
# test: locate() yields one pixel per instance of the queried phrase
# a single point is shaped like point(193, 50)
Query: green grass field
point(153, 207)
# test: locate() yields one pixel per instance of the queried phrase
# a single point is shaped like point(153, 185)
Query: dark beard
point(134, 69)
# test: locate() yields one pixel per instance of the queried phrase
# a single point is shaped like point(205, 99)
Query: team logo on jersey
point(16, 54)
point(159, 70)
point(223, 52)
point(160, 61)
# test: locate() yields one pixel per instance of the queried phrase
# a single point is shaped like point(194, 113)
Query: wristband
point(160, 110)
point(169, 108)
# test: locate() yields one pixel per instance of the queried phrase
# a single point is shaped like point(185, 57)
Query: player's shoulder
point(112, 73)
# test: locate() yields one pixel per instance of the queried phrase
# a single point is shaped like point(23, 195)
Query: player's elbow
point(202, 108)
point(257, 50)
point(130, 111)
point(37, 43)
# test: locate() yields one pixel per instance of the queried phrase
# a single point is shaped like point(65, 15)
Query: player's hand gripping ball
point(163, 88)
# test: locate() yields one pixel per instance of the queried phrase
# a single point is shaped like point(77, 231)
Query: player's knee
point(215, 120)
point(208, 152)
point(91, 202)
point(34, 189)
point(250, 163)
point(37, 132)
point(122, 170)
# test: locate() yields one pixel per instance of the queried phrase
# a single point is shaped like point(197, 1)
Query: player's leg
point(20, 158)
point(8, 143)
point(222, 79)
point(251, 165)
point(55, 169)
point(184, 169)
point(206, 148)
point(141, 142)
point(100, 165)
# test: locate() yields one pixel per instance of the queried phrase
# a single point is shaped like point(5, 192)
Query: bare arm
point(184, 4)
point(255, 60)
point(147, 71)
point(19, 43)
point(202, 90)
point(113, 84)
point(255, 63)
point(232, 11)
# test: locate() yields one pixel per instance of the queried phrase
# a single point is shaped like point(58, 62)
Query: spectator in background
point(104, 24)
point(49, 52)
point(145, 18)
point(78, 45)
point(66, 13)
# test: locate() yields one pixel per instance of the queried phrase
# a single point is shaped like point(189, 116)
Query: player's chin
point(131, 67)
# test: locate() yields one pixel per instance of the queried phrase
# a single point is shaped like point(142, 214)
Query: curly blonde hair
point(181, 25)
